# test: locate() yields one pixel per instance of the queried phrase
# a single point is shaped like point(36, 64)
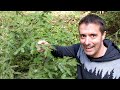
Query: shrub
point(18, 56)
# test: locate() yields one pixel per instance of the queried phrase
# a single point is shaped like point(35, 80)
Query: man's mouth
point(89, 48)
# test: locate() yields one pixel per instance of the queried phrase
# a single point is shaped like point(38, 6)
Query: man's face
point(91, 39)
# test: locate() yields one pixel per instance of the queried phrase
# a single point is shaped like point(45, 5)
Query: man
point(99, 58)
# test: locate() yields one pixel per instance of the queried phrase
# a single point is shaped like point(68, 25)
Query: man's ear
point(104, 35)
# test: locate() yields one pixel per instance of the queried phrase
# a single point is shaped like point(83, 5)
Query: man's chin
point(89, 54)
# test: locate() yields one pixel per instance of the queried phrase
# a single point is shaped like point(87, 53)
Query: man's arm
point(61, 51)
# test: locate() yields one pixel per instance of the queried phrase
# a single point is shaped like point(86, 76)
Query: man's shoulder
point(76, 47)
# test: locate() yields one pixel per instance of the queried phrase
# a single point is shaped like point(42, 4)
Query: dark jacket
point(105, 67)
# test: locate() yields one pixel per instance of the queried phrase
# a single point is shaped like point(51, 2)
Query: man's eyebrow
point(82, 34)
point(93, 34)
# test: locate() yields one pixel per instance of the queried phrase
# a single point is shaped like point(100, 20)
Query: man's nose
point(87, 41)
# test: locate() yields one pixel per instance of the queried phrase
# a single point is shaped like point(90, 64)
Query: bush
point(112, 19)
point(19, 35)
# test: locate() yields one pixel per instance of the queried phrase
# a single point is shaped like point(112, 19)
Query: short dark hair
point(92, 18)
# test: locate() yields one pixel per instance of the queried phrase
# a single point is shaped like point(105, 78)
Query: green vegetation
point(19, 33)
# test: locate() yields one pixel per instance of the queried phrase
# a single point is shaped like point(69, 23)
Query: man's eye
point(82, 36)
point(93, 35)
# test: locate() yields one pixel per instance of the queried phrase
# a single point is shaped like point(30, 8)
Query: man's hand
point(42, 42)
point(39, 45)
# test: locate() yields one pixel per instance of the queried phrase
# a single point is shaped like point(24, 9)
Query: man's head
point(92, 33)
